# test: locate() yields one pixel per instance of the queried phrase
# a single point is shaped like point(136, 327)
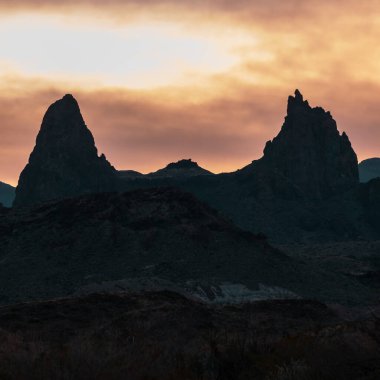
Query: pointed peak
point(69, 97)
point(63, 109)
point(298, 96)
point(296, 101)
point(69, 100)
point(64, 161)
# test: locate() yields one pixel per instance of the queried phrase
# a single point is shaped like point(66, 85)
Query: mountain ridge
point(304, 188)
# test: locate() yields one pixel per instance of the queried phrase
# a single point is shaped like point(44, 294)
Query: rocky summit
point(309, 158)
point(64, 161)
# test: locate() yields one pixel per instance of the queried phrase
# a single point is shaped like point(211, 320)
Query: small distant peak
point(68, 97)
point(183, 164)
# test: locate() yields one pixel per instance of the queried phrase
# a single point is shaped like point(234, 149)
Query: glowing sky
point(161, 80)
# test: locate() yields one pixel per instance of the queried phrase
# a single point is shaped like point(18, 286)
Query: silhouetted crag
point(308, 158)
point(64, 161)
point(305, 188)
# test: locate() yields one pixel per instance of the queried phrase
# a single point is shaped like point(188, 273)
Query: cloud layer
point(222, 119)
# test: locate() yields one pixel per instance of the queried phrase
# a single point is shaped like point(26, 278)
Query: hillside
point(57, 248)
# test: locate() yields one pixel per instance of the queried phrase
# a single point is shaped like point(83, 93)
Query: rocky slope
point(64, 161)
point(57, 248)
point(369, 169)
point(7, 194)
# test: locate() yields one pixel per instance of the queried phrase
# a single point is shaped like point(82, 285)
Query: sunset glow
point(158, 81)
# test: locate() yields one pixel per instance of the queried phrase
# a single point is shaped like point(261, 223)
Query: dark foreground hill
point(54, 249)
point(165, 336)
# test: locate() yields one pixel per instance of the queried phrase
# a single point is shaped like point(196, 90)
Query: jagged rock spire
point(296, 102)
point(308, 154)
point(64, 161)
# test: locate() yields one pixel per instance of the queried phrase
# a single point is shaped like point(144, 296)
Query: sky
point(162, 80)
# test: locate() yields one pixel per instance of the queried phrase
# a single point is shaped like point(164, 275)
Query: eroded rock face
point(64, 161)
point(309, 156)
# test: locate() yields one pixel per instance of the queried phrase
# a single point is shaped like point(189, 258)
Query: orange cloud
point(223, 121)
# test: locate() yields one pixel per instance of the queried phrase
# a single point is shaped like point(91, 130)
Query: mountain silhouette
point(305, 188)
point(64, 161)
point(308, 156)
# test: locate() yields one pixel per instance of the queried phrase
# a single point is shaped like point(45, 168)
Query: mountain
point(308, 158)
point(369, 169)
point(305, 188)
point(57, 248)
point(182, 168)
point(64, 161)
point(7, 194)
